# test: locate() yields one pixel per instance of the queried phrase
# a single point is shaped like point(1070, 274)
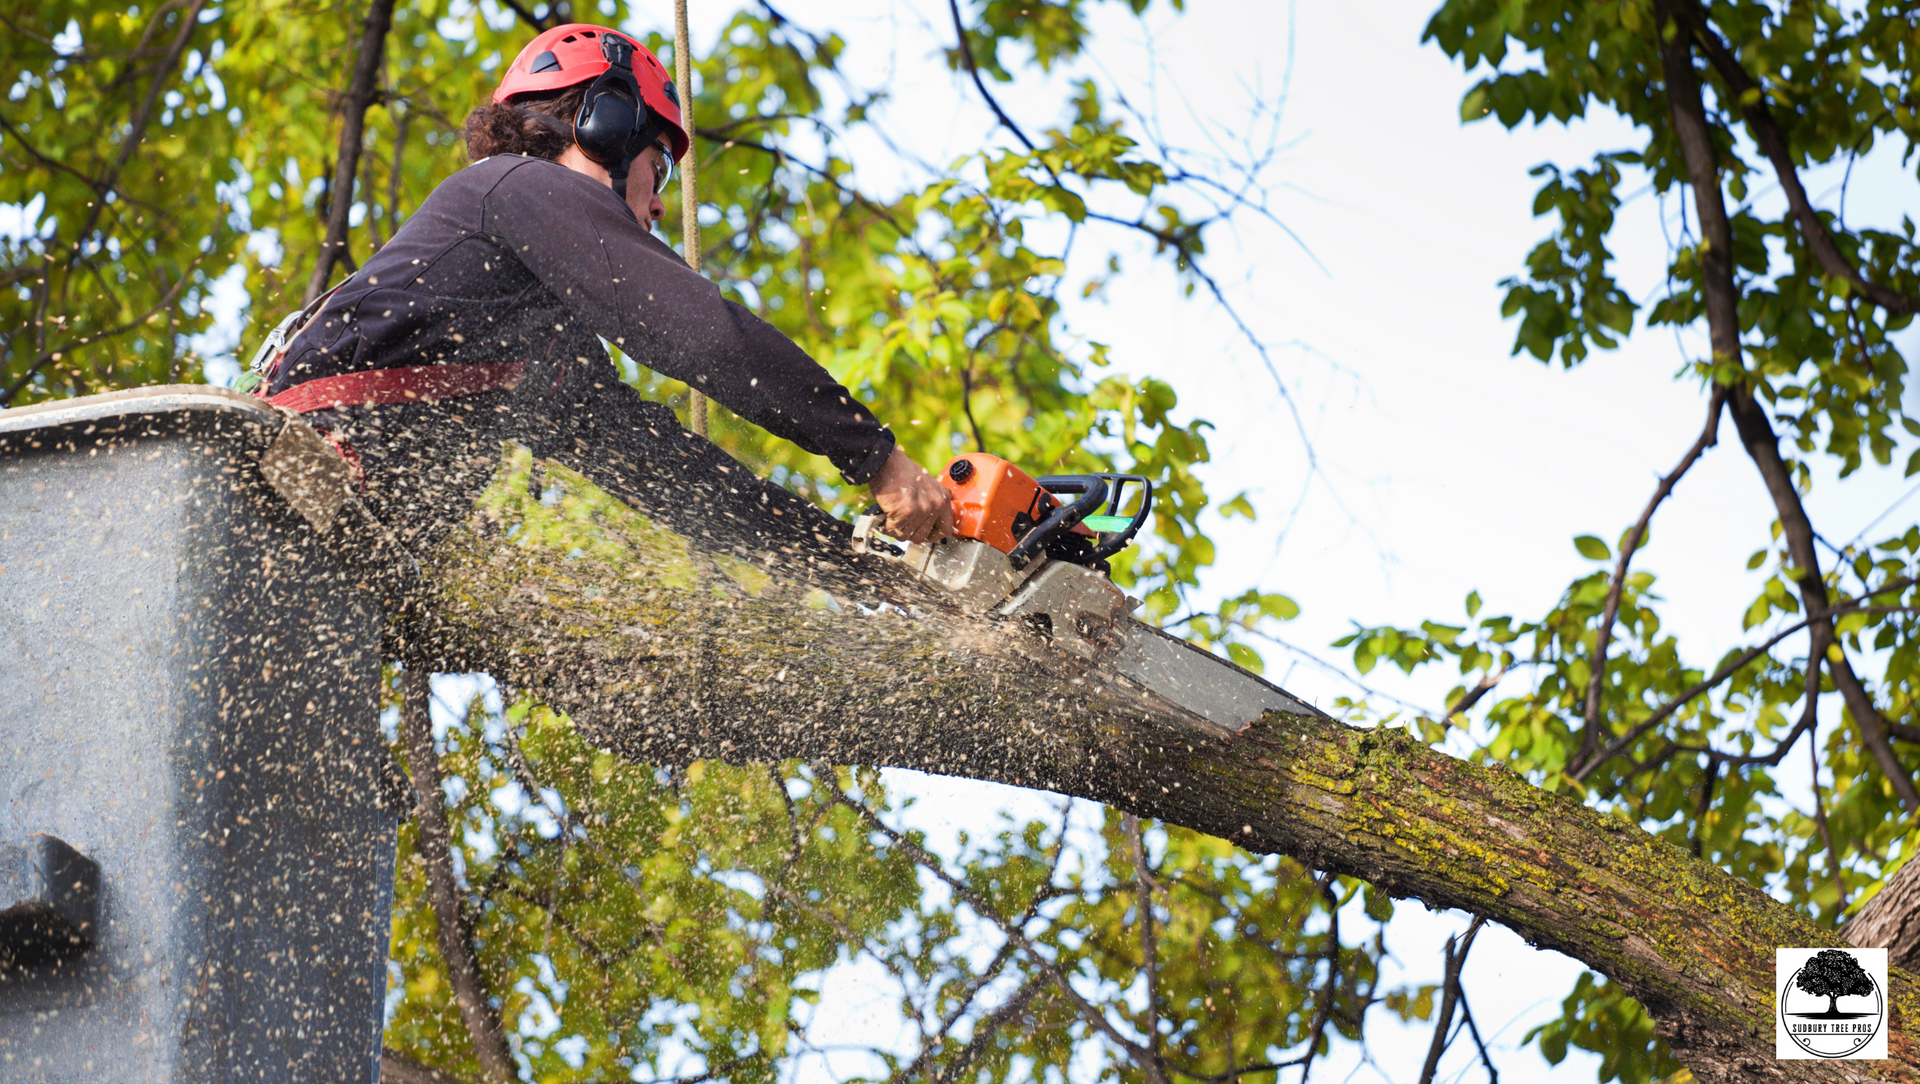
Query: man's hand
point(917, 507)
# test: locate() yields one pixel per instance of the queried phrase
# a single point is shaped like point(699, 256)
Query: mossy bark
point(669, 647)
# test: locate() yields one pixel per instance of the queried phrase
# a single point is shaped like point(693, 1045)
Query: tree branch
point(984, 1031)
point(832, 678)
point(1750, 418)
point(435, 846)
point(398, 1068)
point(1449, 998)
point(1826, 837)
point(1752, 102)
point(137, 129)
point(1473, 696)
point(361, 90)
point(966, 55)
point(986, 910)
point(1149, 947)
point(48, 356)
point(1709, 436)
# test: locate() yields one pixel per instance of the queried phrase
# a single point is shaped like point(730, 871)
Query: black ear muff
point(607, 122)
point(613, 119)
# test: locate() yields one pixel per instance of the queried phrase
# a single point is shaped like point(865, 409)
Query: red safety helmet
point(572, 54)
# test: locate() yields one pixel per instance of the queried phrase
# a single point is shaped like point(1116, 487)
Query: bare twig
point(1456, 956)
point(966, 55)
point(1590, 737)
point(1473, 1029)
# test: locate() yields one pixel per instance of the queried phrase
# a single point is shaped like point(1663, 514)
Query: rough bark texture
point(1891, 920)
point(672, 647)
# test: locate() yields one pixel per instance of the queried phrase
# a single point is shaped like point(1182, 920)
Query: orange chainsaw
point(1036, 550)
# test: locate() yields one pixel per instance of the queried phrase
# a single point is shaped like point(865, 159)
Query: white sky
point(1448, 465)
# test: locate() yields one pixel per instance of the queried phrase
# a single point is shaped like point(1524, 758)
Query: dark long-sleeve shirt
point(520, 259)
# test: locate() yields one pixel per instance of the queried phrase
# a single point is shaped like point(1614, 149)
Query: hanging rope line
point(689, 190)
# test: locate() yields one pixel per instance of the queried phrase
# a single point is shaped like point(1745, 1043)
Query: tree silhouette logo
point(1832, 1003)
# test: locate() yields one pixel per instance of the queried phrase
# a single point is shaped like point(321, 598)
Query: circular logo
point(1830, 1006)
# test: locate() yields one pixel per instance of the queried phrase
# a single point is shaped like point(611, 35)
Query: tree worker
point(484, 317)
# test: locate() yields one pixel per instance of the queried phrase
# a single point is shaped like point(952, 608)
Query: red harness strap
point(411, 385)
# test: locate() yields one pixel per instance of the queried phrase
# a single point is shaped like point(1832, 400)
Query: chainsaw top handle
point(1058, 522)
point(1113, 486)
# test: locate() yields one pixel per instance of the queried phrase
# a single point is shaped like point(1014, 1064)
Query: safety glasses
point(657, 157)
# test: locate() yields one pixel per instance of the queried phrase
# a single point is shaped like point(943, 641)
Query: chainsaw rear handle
point(1084, 483)
point(1093, 491)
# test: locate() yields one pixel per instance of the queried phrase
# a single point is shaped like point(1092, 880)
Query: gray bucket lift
point(195, 852)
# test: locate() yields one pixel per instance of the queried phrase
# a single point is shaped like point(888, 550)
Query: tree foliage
point(169, 158)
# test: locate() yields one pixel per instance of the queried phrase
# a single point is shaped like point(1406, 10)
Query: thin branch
point(1752, 102)
point(984, 1031)
point(966, 54)
point(1486, 1059)
point(398, 1068)
point(48, 356)
point(1706, 804)
point(1709, 436)
point(361, 92)
point(1733, 666)
point(1826, 837)
point(137, 130)
point(1149, 945)
point(1472, 696)
point(1449, 997)
point(527, 16)
point(981, 906)
point(435, 847)
point(20, 138)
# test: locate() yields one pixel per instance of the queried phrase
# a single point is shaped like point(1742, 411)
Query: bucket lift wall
point(189, 705)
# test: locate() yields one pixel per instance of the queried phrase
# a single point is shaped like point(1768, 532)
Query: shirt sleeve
point(630, 288)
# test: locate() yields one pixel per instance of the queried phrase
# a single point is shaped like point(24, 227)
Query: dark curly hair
point(533, 125)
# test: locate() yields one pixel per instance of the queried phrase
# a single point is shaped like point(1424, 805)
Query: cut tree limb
point(557, 587)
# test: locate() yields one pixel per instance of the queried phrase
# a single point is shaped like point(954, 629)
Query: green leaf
point(1592, 548)
point(1379, 905)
